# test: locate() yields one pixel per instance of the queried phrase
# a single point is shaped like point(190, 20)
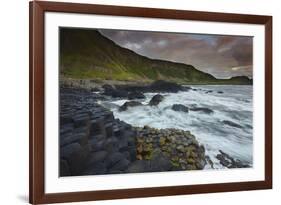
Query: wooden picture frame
point(37, 11)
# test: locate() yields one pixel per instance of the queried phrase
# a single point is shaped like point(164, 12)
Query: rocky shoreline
point(93, 142)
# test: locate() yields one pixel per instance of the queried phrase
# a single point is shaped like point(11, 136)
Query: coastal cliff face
point(87, 54)
point(93, 142)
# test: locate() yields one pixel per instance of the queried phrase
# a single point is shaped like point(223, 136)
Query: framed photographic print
point(139, 102)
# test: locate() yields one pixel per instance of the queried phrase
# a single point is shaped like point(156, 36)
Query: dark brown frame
point(36, 106)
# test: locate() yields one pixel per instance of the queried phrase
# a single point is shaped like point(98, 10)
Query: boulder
point(230, 162)
point(135, 95)
point(202, 109)
point(125, 106)
point(116, 93)
point(179, 108)
point(232, 124)
point(164, 86)
point(156, 99)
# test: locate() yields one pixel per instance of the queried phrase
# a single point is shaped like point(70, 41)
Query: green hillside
point(88, 54)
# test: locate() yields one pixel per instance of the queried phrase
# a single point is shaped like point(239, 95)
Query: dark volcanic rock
point(156, 99)
point(167, 147)
point(160, 162)
point(113, 92)
point(229, 162)
point(114, 158)
point(164, 86)
point(155, 87)
point(210, 162)
point(180, 108)
point(64, 168)
point(125, 106)
point(121, 166)
point(97, 157)
point(135, 95)
point(232, 124)
point(202, 109)
point(139, 166)
point(92, 141)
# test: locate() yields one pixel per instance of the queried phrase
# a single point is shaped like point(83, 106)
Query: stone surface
point(92, 141)
point(136, 95)
point(128, 104)
point(232, 124)
point(180, 108)
point(156, 99)
point(202, 109)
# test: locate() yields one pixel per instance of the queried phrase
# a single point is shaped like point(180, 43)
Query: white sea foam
point(234, 104)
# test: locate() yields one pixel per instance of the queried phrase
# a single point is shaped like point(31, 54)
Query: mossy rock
point(162, 141)
point(190, 161)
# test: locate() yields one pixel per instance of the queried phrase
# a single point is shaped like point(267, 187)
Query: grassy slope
point(88, 54)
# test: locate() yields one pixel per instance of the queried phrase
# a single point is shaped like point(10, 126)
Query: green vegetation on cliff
point(86, 53)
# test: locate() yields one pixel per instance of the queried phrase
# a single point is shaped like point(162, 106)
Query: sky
point(220, 55)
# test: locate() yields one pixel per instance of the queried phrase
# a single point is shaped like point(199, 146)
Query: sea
point(232, 103)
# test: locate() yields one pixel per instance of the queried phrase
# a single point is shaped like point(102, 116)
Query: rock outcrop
point(128, 104)
point(93, 142)
point(180, 108)
point(156, 99)
point(176, 147)
point(229, 162)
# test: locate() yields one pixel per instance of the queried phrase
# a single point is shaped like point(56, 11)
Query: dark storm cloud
point(221, 56)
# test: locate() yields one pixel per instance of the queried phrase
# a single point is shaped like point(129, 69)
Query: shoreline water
point(90, 100)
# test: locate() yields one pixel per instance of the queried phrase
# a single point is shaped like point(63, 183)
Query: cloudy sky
point(221, 56)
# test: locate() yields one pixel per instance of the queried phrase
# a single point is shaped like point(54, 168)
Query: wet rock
point(160, 162)
point(97, 145)
point(97, 157)
point(65, 118)
point(220, 92)
point(136, 95)
point(114, 158)
point(209, 161)
point(64, 168)
point(94, 169)
point(128, 104)
point(180, 108)
point(76, 157)
point(232, 124)
point(156, 99)
point(139, 166)
point(116, 93)
point(202, 109)
point(80, 138)
point(121, 165)
point(164, 86)
point(111, 144)
point(229, 162)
